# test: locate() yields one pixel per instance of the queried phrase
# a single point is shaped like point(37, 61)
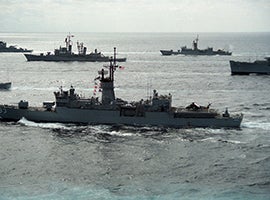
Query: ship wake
point(26, 122)
point(257, 125)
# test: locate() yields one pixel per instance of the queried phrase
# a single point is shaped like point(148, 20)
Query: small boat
point(5, 86)
point(246, 68)
point(196, 51)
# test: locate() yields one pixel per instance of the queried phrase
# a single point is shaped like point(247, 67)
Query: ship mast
point(69, 42)
point(107, 83)
point(195, 43)
point(114, 55)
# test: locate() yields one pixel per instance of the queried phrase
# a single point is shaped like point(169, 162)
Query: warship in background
point(12, 49)
point(195, 51)
point(157, 110)
point(65, 54)
point(246, 68)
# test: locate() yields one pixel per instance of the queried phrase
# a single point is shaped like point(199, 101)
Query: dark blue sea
point(53, 161)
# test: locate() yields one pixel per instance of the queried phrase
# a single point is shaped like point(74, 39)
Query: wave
point(256, 125)
point(26, 122)
point(90, 133)
point(101, 130)
point(261, 184)
point(261, 161)
point(211, 139)
point(116, 133)
point(261, 104)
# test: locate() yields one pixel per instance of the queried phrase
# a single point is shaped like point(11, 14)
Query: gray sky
point(135, 15)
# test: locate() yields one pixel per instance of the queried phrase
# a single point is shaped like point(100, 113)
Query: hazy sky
point(134, 15)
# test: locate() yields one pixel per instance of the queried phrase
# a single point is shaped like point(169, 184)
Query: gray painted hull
point(70, 58)
point(245, 68)
point(13, 50)
point(96, 116)
point(5, 86)
point(194, 53)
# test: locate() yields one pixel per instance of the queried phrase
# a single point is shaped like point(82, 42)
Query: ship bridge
point(161, 102)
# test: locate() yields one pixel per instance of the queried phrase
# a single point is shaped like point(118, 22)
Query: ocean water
point(67, 161)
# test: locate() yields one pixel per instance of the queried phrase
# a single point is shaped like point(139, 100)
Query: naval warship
point(4, 48)
point(65, 54)
point(195, 51)
point(246, 68)
point(157, 110)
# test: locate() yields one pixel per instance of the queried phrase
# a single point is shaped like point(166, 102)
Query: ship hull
point(5, 86)
point(169, 52)
point(246, 68)
point(112, 117)
point(70, 58)
point(7, 50)
point(195, 53)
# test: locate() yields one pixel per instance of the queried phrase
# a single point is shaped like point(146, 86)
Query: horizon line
point(135, 32)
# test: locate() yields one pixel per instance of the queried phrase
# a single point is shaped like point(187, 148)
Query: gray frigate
point(195, 51)
point(157, 110)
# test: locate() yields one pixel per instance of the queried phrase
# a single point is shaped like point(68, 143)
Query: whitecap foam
point(235, 142)
point(26, 122)
point(117, 133)
point(253, 125)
